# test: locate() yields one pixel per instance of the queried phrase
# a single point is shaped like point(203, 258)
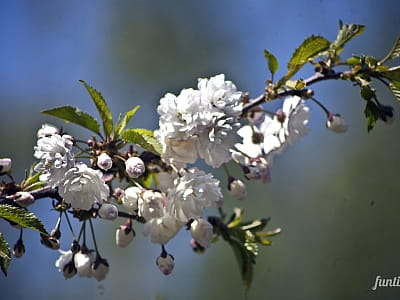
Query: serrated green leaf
point(74, 115)
point(395, 52)
point(391, 73)
point(102, 108)
point(5, 254)
point(120, 126)
point(22, 217)
point(143, 138)
point(346, 33)
point(395, 88)
point(311, 47)
point(273, 63)
point(245, 259)
point(371, 112)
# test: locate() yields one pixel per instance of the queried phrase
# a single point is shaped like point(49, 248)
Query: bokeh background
point(334, 196)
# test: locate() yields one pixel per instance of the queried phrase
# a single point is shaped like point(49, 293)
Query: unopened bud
point(165, 262)
point(23, 199)
point(134, 167)
point(19, 248)
point(237, 189)
point(108, 211)
point(202, 232)
point(69, 269)
point(104, 161)
point(336, 123)
point(55, 233)
point(196, 246)
point(124, 236)
point(5, 165)
point(100, 268)
point(49, 242)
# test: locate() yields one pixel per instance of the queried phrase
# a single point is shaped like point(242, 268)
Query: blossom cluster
point(200, 123)
point(206, 123)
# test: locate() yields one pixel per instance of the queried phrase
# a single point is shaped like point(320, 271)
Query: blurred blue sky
point(136, 51)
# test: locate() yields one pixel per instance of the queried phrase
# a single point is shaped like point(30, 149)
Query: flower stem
point(70, 226)
point(93, 236)
point(321, 105)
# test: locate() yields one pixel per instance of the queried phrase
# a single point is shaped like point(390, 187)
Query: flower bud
point(19, 248)
point(336, 123)
point(55, 233)
point(196, 246)
point(49, 242)
point(100, 268)
point(23, 199)
point(202, 232)
point(134, 167)
point(108, 211)
point(65, 264)
point(5, 165)
point(124, 236)
point(237, 189)
point(165, 262)
point(104, 161)
point(47, 130)
point(130, 198)
point(69, 269)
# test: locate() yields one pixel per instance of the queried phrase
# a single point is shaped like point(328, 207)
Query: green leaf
point(367, 92)
point(102, 108)
point(143, 138)
point(120, 126)
point(371, 112)
point(395, 52)
point(273, 63)
point(74, 115)
point(312, 47)
point(391, 73)
point(5, 254)
point(22, 217)
point(395, 88)
point(346, 33)
point(245, 259)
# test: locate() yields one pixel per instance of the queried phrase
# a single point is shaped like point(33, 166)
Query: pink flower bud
point(104, 161)
point(134, 167)
point(108, 211)
point(165, 262)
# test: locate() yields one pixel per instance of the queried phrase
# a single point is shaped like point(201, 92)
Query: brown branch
point(309, 81)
